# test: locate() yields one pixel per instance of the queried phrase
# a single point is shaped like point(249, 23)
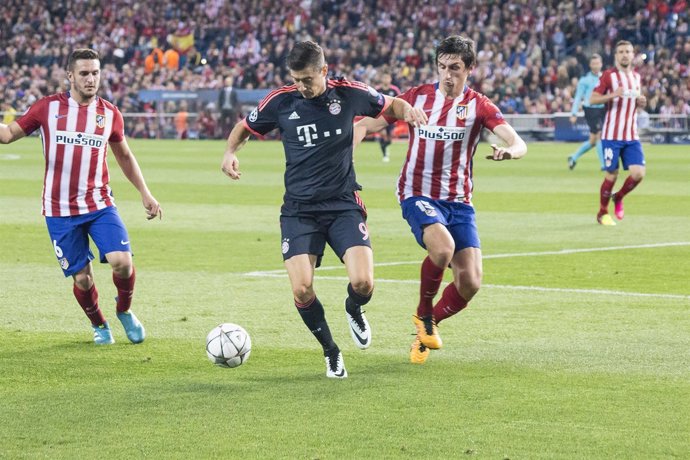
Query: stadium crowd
point(531, 52)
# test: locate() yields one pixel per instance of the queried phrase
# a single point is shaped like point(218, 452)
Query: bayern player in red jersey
point(76, 128)
point(619, 88)
point(435, 184)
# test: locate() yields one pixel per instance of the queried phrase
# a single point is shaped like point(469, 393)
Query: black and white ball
point(228, 345)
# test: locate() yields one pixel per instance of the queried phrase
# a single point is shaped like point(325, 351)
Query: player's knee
point(121, 263)
point(303, 293)
point(468, 285)
point(363, 287)
point(637, 175)
point(83, 280)
point(441, 255)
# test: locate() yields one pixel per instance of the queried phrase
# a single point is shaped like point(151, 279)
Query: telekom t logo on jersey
point(308, 133)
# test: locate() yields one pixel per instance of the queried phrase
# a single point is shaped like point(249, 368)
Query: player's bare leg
point(124, 277)
point(359, 262)
point(300, 270)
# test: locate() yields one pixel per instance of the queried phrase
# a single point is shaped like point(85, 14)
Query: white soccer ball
point(228, 345)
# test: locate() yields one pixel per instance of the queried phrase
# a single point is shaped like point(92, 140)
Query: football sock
point(451, 302)
point(354, 301)
point(600, 154)
point(584, 148)
point(88, 300)
point(125, 290)
point(627, 187)
point(384, 144)
point(315, 318)
point(605, 196)
point(430, 281)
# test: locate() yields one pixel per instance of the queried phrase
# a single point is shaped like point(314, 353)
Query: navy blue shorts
point(629, 152)
point(309, 233)
point(458, 218)
point(70, 237)
point(595, 118)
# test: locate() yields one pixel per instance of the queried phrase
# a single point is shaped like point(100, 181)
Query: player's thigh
point(612, 154)
point(345, 230)
point(439, 243)
point(302, 235)
point(70, 241)
point(467, 267)
point(421, 212)
point(109, 233)
point(631, 155)
point(359, 262)
point(300, 270)
point(462, 225)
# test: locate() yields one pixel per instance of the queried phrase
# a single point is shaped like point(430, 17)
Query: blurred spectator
point(228, 105)
point(9, 113)
point(207, 124)
point(182, 121)
point(535, 47)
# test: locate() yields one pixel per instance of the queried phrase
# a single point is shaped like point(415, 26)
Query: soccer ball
point(228, 345)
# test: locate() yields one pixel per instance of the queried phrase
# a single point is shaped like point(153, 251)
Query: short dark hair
point(81, 53)
point(305, 54)
point(460, 46)
point(595, 56)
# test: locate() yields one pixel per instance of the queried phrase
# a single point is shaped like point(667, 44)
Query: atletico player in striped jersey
point(619, 88)
point(435, 184)
point(76, 128)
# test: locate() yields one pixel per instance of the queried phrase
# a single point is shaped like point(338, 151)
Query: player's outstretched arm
point(130, 167)
point(365, 126)
point(10, 133)
point(402, 110)
point(236, 140)
point(515, 147)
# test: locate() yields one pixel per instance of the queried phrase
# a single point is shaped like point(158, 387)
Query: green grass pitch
point(577, 346)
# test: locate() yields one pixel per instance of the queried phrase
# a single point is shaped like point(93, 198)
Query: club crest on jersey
point(334, 107)
point(461, 111)
point(100, 121)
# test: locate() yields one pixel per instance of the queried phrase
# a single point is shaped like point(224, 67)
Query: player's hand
point(573, 119)
point(500, 154)
point(618, 92)
point(153, 208)
point(416, 117)
point(231, 166)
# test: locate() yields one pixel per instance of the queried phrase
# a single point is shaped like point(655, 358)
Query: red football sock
point(88, 300)
point(605, 196)
point(430, 280)
point(125, 290)
point(627, 187)
point(451, 302)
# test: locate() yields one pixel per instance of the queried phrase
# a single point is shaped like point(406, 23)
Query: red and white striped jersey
point(620, 123)
point(439, 157)
point(75, 144)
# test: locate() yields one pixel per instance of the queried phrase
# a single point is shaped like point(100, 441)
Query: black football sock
point(355, 301)
point(315, 318)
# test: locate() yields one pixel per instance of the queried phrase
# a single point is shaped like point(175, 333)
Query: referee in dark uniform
point(321, 203)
